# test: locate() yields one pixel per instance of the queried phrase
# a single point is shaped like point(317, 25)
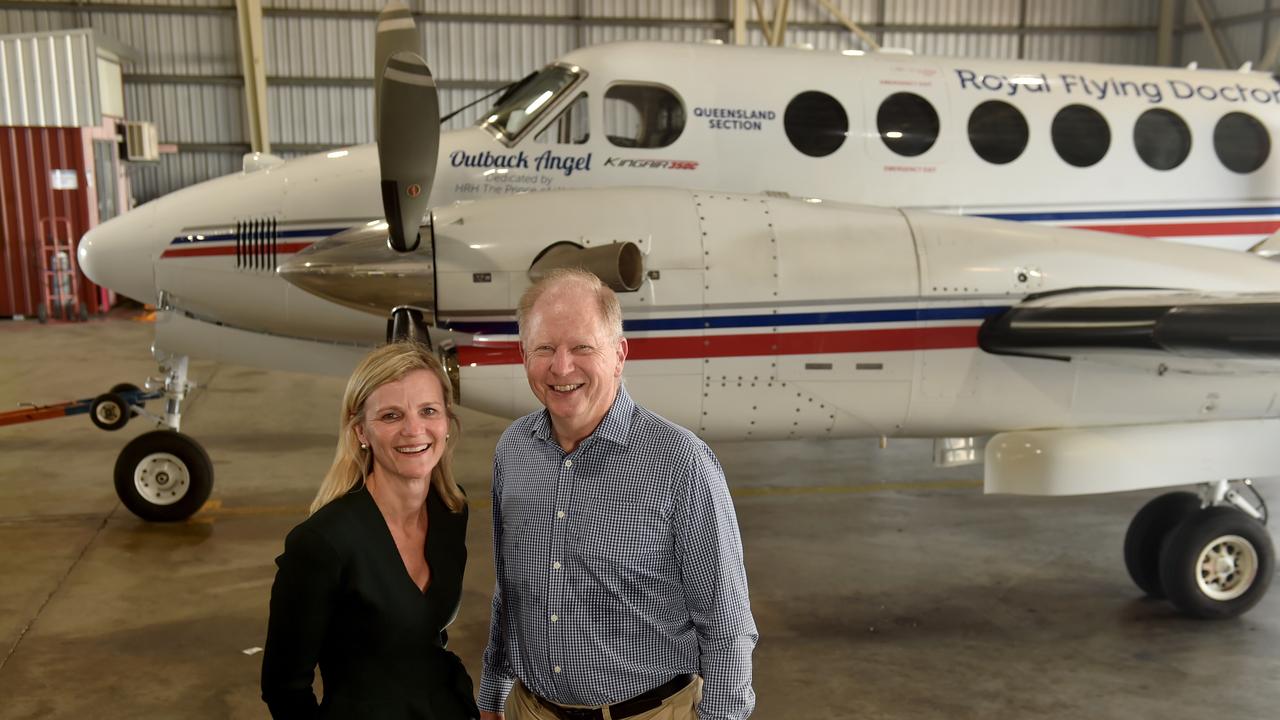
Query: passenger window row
point(816, 124)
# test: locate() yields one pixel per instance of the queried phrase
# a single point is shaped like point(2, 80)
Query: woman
point(367, 584)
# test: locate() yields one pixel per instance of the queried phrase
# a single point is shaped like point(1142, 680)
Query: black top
point(343, 599)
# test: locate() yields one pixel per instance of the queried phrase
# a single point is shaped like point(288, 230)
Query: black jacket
point(343, 600)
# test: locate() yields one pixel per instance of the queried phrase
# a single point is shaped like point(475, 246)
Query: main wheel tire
point(110, 411)
point(163, 476)
point(1217, 564)
point(1146, 535)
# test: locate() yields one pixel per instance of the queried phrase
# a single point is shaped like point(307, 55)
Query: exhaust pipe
point(618, 265)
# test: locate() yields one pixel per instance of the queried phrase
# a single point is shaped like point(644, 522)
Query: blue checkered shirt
point(618, 566)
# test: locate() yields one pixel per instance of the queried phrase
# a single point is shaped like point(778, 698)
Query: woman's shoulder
point(339, 521)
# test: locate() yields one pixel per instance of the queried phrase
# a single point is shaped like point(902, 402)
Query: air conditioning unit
point(139, 142)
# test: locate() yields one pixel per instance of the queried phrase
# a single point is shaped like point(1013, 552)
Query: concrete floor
point(882, 587)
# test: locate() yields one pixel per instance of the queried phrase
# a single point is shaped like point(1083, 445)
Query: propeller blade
point(408, 145)
point(396, 33)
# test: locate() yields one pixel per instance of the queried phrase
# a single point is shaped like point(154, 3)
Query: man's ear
point(622, 356)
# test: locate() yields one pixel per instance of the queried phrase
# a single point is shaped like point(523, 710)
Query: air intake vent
point(257, 244)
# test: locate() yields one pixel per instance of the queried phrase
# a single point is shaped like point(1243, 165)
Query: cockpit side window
point(528, 99)
point(571, 127)
point(642, 115)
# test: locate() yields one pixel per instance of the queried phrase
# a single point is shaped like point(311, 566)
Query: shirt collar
point(615, 427)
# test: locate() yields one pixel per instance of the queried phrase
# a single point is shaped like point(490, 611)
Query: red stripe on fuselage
point(1261, 227)
point(802, 343)
point(281, 249)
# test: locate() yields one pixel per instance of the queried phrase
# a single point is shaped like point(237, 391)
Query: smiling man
point(620, 588)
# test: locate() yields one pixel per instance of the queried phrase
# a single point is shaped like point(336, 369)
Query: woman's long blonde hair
point(351, 464)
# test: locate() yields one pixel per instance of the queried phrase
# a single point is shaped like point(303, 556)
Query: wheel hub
point(108, 413)
point(1227, 567)
point(161, 479)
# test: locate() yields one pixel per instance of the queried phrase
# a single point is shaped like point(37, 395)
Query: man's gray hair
point(606, 301)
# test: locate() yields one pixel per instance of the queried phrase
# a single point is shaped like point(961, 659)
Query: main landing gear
point(1208, 553)
point(164, 475)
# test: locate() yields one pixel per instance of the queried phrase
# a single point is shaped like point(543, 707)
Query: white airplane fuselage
point(907, 305)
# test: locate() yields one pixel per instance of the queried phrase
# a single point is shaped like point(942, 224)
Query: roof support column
point(851, 25)
point(249, 26)
point(1164, 32)
point(1211, 32)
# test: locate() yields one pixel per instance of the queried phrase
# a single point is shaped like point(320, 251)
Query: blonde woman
point(367, 584)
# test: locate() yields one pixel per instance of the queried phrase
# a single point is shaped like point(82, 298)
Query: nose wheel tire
point(110, 411)
point(1146, 535)
point(1217, 563)
point(163, 476)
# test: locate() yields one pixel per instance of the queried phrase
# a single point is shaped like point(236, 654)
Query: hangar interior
point(884, 586)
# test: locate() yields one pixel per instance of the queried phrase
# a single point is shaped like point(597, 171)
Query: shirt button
point(560, 513)
point(568, 463)
point(555, 566)
point(556, 668)
point(554, 618)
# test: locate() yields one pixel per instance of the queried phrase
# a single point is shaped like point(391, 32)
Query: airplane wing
point(1091, 321)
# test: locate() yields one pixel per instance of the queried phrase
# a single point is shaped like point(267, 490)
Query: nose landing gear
point(164, 475)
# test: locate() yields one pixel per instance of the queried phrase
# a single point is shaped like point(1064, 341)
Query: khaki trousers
point(522, 705)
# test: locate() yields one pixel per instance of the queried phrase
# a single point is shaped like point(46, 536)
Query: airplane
point(1094, 362)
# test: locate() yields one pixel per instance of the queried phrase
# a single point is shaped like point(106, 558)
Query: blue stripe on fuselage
point(717, 322)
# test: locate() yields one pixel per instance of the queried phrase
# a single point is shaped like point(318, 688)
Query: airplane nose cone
point(358, 269)
point(120, 254)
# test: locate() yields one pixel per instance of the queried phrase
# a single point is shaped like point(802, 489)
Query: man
point(621, 591)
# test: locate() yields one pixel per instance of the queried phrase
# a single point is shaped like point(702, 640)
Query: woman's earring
point(364, 446)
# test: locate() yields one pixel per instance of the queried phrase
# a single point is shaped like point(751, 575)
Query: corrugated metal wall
point(49, 80)
point(319, 52)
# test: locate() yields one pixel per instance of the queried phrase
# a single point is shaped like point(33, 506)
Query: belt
point(643, 702)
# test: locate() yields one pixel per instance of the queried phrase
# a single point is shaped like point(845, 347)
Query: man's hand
point(486, 715)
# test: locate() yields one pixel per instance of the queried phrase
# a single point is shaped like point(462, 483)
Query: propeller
point(407, 124)
point(408, 145)
point(407, 129)
point(375, 267)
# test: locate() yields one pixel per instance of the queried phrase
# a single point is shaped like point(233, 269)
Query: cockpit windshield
point(528, 99)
